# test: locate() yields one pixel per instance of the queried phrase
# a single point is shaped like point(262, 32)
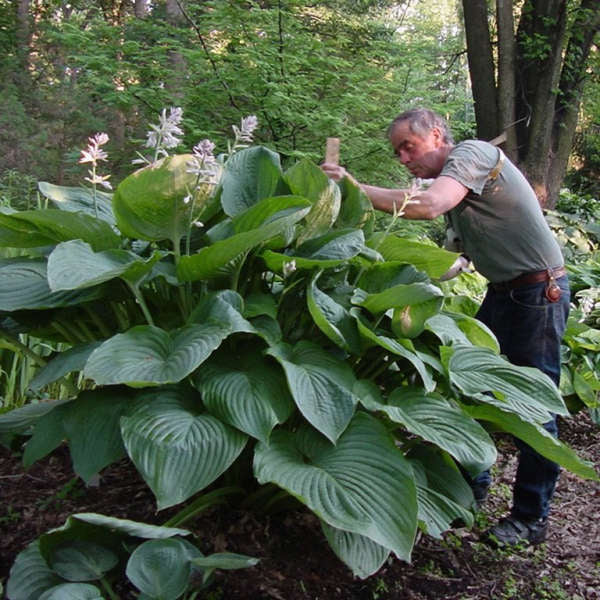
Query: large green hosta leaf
point(161, 568)
point(24, 286)
point(453, 328)
point(149, 204)
point(402, 295)
point(356, 210)
point(109, 532)
point(32, 228)
point(363, 484)
point(332, 318)
point(91, 424)
point(209, 261)
point(401, 348)
point(381, 276)
point(246, 392)
point(536, 437)
point(82, 560)
point(307, 179)
point(251, 175)
point(20, 419)
point(177, 450)
point(74, 265)
point(48, 434)
point(320, 384)
point(30, 575)
point(147, 355)
point(434, 420)
point(431, 259)
point(364, 556)
point(72, 591)
point(323, 252)
point(524, 390)
point(62, 363)
point(78, 199)
point(437, 512)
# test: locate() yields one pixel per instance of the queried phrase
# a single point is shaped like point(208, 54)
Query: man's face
point(421, 155)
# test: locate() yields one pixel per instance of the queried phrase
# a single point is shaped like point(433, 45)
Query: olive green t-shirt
point(499, 221)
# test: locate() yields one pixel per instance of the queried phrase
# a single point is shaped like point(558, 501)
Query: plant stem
point(108, 589)
point(202, 503)
point(140, 300)
point(26, 350)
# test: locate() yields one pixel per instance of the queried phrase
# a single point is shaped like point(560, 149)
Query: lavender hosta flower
point(165, 135)
point(93, 153)
point(96, 179)
point(246, 131)
point(203, 164)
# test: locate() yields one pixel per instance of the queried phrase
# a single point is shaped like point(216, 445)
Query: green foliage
point(340, 68)
point(324, 354)
point(93, 548)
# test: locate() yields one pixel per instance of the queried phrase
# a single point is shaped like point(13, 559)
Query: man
point(497, 216)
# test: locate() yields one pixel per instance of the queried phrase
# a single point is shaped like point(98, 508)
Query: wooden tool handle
point(332, 151)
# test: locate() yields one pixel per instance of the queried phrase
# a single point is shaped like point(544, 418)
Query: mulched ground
point(295, 560)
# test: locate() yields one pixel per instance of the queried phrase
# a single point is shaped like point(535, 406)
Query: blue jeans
point(529, 329)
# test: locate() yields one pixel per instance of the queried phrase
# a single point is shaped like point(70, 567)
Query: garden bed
point(296, 562)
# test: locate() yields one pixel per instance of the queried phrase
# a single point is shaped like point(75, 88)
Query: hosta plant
point(241, 330)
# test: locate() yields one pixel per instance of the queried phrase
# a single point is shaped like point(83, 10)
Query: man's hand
point(461, 264)
point(337, 173)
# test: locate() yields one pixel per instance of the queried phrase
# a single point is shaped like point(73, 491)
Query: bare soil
point(296, 562)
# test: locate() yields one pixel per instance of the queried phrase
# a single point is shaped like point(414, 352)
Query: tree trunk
point(23, 35)
point(585, 28)
point(506, 77)
point(541, 76)
point(176, 18)
point(541, 36)
point(481, 67)
point(141, 9)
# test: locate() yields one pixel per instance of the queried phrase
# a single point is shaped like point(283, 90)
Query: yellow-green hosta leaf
point(209, 261)
point(451, 328)
point(431, 259)
point(251, 175)
point(332, 318)
point(32, 228)
point(409, 321)
point(402, 295)
point(149, 204)
point(536, 437)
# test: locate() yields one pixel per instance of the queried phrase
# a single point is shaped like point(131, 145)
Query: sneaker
point(511, 531)
point(480, 493)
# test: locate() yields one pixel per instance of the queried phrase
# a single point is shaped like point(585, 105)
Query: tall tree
point(536, 95)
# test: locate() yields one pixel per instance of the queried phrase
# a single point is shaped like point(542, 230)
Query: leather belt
point(529, 279)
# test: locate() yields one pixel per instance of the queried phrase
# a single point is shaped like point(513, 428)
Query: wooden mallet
point(332, 151)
